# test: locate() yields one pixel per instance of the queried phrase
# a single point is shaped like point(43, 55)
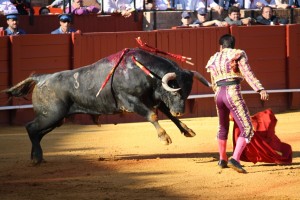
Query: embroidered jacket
point(230, 64)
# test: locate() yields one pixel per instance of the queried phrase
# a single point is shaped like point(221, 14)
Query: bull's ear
point(201, 78)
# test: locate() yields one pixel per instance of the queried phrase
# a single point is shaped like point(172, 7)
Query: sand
point(127, 161)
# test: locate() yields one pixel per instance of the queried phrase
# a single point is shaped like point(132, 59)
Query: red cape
point(265, 146)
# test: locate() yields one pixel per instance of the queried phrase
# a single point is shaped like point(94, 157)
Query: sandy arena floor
point(128, 162)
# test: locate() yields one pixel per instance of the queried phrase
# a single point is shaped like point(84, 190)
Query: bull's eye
point(173, 84)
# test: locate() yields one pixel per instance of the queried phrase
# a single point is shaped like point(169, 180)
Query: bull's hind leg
point(36, 130)
point(35, 137)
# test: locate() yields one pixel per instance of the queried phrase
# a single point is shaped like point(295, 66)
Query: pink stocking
point(222, 149)
point(239, 148)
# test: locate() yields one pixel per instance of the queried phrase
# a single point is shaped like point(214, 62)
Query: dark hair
point(227, 41)
point(233, 9)
point(43, 9)
point(262, 10)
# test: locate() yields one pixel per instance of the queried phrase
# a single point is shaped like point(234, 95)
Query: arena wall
point(273, 53)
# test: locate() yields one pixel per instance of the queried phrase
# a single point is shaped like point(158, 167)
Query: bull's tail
point(23, 88)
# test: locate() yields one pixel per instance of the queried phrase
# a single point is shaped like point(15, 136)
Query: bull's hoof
point(37, 162)
point(186, 131)
point(189, 133)
point(165, 139)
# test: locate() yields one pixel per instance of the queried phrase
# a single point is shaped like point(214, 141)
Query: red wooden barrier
point(4, 77)
point(37, 54)
point(267, 57)
point(90, 47)
point(266, 52)
point(293, 65)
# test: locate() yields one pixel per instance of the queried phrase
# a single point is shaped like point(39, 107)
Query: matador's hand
point(264, 95)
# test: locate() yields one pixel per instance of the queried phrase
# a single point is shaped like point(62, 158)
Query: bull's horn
point(166, 78)
point(201, 78)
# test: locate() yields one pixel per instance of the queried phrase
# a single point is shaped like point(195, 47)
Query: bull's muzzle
point(176, 114)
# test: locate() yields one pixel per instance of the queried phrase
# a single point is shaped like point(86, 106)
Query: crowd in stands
point(194, 12)
point(119, 6)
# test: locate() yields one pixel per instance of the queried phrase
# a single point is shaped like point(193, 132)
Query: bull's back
point(85, 85)
point(79, 88)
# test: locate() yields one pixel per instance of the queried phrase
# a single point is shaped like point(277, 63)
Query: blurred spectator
point(180, 4)
point(44, 11)
point(123, 7)
point(258, 4)
point(150, 4)
point(282, 4)
point(226, 4)
point(268, 18)
point(23, 6)
point(58, 4)
point(65, 25)
point(254, 4)
point(201, 20)
point(13, 25)
point(162, 4)
point(294, 3)
point(139, 4)
point(78, 8)
point(6, 7)
point(156, 4)
point(234, 18)
point(195, 5)
point(186, 19)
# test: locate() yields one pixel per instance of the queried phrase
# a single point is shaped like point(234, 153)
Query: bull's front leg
point(186, 131)
point(162, 135)
point(133, 104)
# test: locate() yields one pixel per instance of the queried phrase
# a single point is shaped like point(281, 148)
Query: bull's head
point(176, 96)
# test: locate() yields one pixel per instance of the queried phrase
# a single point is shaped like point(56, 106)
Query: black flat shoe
point(233, 164)
point(222, 164)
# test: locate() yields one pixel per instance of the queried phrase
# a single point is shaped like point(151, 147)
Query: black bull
point(56, 96)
